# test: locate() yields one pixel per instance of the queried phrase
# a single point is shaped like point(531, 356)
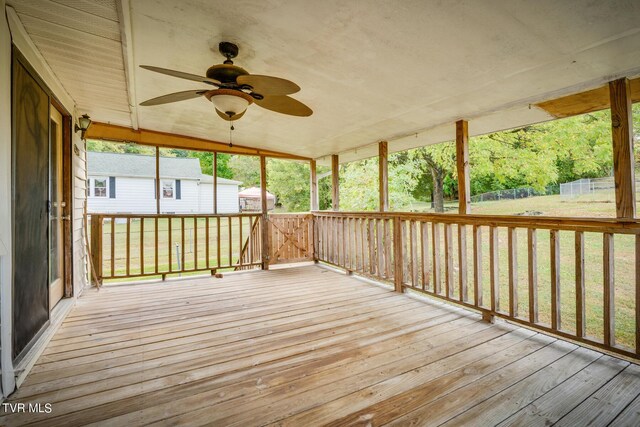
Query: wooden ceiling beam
point(108, 132)
point(586, 102)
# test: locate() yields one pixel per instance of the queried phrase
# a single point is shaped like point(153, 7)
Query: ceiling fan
point(235, 89)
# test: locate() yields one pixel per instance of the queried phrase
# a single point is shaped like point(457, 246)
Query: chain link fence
point(512, 194)
point(602, 186)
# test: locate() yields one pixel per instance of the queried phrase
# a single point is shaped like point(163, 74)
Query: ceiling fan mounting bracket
point(228, 50)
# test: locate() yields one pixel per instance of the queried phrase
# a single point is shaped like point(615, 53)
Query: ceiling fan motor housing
point(226, 73)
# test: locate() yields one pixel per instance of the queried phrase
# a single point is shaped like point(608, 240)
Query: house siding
point(227, 198)
point(137, 196)
point(79, 197)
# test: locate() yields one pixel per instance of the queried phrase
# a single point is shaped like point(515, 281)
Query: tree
point(245, 169)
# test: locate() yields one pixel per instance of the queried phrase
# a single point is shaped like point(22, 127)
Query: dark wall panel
point(30, 214)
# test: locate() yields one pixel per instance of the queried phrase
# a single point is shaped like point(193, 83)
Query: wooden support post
point(383, 175)
point(158, 180)
point(96, 249)
point(398, 255)
point(335, 183)
point(313, 186)
point(265, 222)
point(462, 162)
point(622, 136)
point(214, 171)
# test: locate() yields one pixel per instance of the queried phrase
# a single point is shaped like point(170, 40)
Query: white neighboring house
point(125, 183)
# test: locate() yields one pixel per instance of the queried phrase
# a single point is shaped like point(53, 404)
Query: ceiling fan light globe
point(230, 102)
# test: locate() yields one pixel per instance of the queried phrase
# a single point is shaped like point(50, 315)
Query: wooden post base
point(488, 317)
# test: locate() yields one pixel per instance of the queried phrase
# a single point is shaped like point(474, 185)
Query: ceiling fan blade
point(267, 85)
point(173, 97)
point(232, 118)
point(284, 105)
point(182, 75)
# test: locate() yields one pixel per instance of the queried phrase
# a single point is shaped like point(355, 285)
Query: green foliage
point(359, 184)
point(245, 169)
point(289, 182)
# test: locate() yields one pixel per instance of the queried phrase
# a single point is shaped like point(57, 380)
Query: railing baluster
point(372, 247)
point(218, 245)
point(405, 252)
point(388, 245)
point(556, 320)
point(448, 256)
point(195, 242)
point(413, 230)
point(532, 258)
point(230, 240)
point(609, 288)
point(477, 266)
point(580, 291)
point(380, 248)
point(170, 240)
point(462, 263)
point(128, 251)
point(240, 241)
point(363, 242)
point(398, 253)
point(155, 237)
point(494, 268)
point(435, 241)
point(513, 271)
point(424, 234)
point(141, 245)
point(206, 238)
point(113, 244)
point(182, 257)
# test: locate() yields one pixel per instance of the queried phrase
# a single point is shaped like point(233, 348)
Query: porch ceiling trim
point(108, 132)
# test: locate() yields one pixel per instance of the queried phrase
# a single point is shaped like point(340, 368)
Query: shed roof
point(253, 193)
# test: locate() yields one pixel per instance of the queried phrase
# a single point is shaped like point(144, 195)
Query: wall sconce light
point(83, 124)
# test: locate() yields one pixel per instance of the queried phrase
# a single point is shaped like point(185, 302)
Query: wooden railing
point(128, 246)
point(558, 275)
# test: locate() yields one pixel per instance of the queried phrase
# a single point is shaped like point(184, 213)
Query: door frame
point(67, 179)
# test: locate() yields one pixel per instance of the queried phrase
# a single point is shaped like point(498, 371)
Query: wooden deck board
point(308, 346)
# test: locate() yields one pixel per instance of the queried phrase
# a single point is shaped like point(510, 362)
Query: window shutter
point(112, 187)
point(178, 192)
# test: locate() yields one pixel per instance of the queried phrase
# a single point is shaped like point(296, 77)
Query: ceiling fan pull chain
point(231, 129)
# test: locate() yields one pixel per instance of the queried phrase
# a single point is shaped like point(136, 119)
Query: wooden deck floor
point(307, 346)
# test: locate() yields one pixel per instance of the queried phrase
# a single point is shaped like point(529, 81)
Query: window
point(168, 189)
point(99, 187)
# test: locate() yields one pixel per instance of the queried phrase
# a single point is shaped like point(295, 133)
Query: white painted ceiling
point(402, 70)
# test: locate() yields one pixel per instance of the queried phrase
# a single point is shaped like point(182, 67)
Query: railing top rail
point(613, 225)
point(119, 215)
